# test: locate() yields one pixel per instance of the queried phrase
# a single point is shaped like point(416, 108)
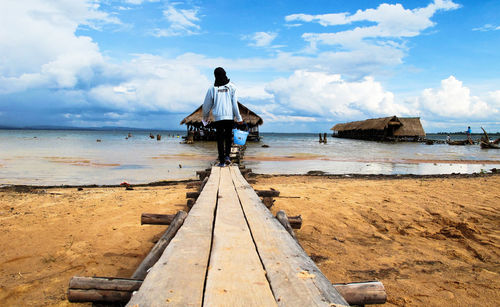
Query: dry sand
point(432, 242)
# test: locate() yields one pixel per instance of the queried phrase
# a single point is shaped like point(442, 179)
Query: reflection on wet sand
point(304, 157)
point(184, 156)
point(79, 162)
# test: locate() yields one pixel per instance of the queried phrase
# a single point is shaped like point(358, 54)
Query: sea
point(81, 157)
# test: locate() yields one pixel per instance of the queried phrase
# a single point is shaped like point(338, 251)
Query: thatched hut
point(196, 129)
point(384, 128)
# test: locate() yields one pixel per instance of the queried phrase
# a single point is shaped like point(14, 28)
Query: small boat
point(486, 143)
point(464, 142)
point(489, 145)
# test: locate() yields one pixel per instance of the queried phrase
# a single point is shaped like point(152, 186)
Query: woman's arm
point(207, 104)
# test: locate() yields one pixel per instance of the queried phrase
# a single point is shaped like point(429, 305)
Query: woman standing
point(223, 101)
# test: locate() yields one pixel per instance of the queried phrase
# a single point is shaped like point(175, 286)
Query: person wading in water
point(222, 100)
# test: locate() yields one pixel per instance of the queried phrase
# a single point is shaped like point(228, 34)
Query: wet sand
point(431, 241)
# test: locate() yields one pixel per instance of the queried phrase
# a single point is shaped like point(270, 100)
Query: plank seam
point(251, 234)
point(211, 244)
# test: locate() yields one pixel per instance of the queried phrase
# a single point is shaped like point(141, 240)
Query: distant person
point(223, 101)
point(448, 138)
point(469, 135)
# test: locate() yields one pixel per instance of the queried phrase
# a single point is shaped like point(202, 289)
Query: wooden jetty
point(231, 251)
point(228, 251)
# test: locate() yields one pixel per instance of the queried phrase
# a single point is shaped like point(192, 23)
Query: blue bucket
point(240, 137)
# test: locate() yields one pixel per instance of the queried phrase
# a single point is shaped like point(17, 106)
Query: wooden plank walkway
point(232, 252)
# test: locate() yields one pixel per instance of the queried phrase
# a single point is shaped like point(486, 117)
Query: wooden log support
point(194, 184)
point(100, 296)
point(268, 201)
point(157, 219)
point(246, 171)
point(202, 185)
point(281, 216)
point(363, 293)
point(119, 290)
point(157, 250)
point(202, 174)
point(101, 289)
point(295, 221)
point(192, 195)
point(268, 193)
point(104, 283)
point(190, 203)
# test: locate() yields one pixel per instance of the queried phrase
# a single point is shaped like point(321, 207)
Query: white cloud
point(261, 39)
point(389, 24)
point(182, 22)
point(487, 27)
point(137, 2)
point(320, 94)
point(39, 46)
point(454, 100)
point(154, 83)
point(324, 19)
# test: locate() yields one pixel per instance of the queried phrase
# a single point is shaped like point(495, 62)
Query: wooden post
point(320, 140)
point(203, 174)
point(157, 219)
point(192, 195)
point(363, 293)
point(193, 184)
point(324, 138)
point(157, 250)
point(281, 216)
point(190, 203)
point(268, 201)
point(295, 221)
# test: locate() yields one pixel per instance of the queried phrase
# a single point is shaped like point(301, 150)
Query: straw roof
point(411, 126)
point(369, 124)
point(405, 126)
point(248, 116)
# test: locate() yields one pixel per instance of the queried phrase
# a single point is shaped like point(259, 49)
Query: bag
point(240, 136)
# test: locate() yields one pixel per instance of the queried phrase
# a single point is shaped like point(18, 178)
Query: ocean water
point(57, 157)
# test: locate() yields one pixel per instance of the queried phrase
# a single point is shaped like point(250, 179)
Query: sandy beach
point(431, 241)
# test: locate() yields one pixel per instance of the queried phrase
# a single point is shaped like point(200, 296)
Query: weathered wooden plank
point(178, 278)
point(235, 276)
point(295, 279)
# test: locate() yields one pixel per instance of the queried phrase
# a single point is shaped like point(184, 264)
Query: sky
point(303, 66)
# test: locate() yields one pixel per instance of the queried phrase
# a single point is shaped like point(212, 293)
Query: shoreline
point(312, 173)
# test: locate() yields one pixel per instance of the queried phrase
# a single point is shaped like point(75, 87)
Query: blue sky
point(302, 66)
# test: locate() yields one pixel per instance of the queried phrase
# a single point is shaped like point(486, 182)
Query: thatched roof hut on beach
point(194, 123)
point(384, 128)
